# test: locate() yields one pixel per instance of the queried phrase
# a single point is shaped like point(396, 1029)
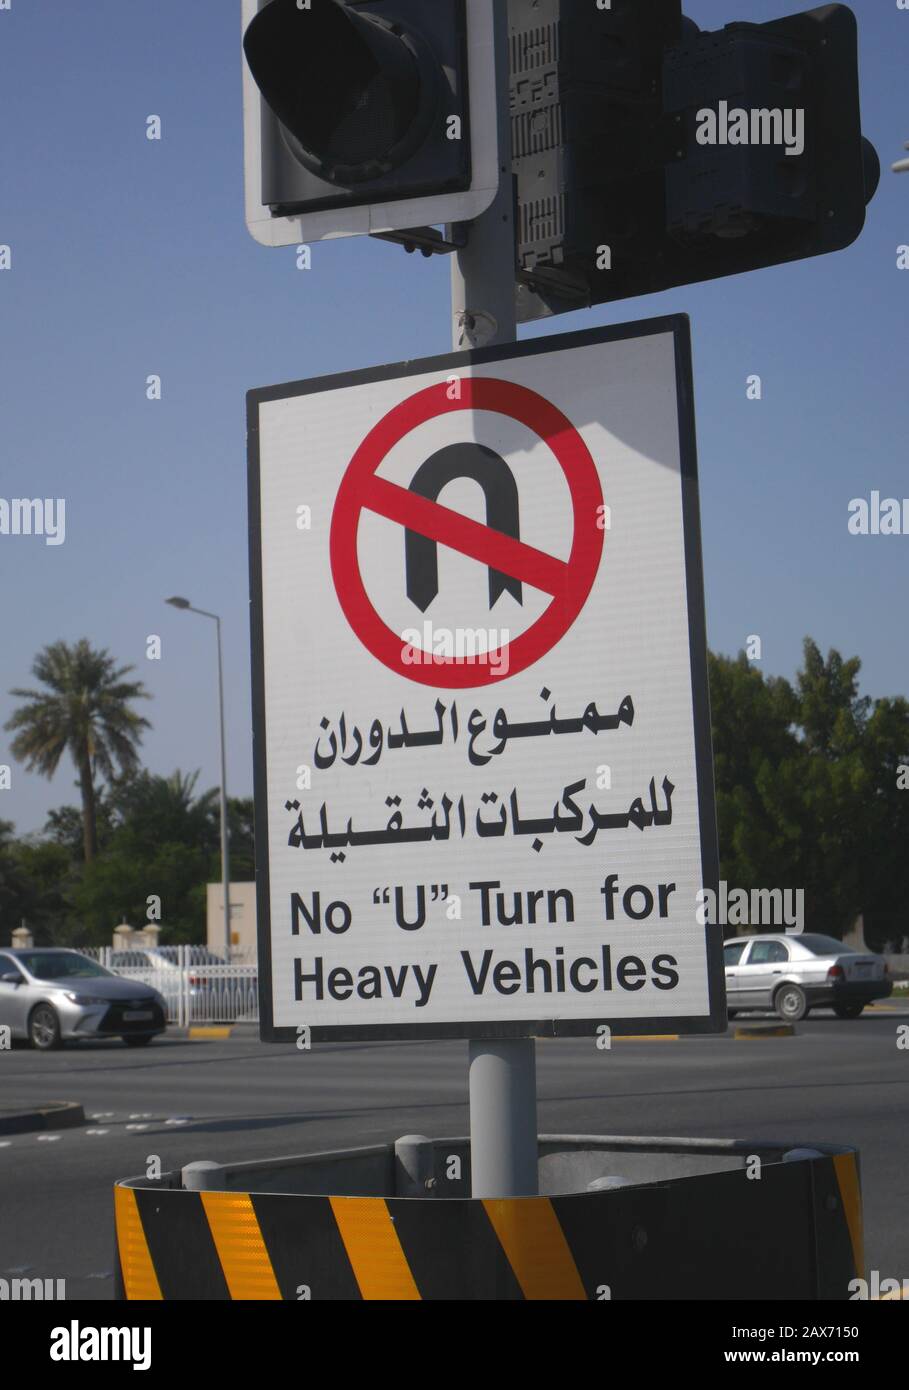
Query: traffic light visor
point(354, 93)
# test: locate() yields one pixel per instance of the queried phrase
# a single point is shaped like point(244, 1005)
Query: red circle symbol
point(568, 581)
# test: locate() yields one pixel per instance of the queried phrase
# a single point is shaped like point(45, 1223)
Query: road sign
point(568, 582)
point(483, 780)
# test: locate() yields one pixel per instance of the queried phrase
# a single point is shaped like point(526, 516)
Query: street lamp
point(902, 165)
point(184, 603)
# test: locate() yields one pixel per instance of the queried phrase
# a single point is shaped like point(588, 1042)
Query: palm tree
point(166, 810)
point(84, 708)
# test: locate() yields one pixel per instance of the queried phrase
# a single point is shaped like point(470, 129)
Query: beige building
point(242, 920)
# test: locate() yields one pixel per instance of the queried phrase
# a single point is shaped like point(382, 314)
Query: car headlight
point(83, 998)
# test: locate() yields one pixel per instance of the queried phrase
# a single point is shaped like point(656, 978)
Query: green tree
point(116, 887)
point(35, 882)
point(156, 810)
point(754, 746)
point(833, 785)
point(241, 828)
point(14, 887)
point(64, 825)
point(164, 843)
point(807, 790)
point(884, 826)
point(160, 846)
point(84, 708)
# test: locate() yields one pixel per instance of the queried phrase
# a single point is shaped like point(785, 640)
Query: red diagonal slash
point(567, 581)
point(492, 548)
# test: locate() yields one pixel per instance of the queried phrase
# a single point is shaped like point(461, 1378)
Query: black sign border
point(678, 325)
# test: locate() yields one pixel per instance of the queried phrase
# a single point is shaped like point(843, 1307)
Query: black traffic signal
point(362, 102)
point(649, 154)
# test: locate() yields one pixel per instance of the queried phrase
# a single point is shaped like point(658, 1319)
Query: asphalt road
point(183, 1100)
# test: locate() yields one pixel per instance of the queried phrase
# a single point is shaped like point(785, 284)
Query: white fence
point(194, 986)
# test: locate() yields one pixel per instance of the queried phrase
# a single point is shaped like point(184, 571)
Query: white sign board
point(484, 797)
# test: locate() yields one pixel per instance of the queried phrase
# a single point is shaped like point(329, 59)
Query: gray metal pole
point(503, 1096)
point(503, 1117)
point(482, 274)
point(184, 605)
point(225, 843)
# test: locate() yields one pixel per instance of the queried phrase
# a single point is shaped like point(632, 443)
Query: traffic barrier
point(727, 1228)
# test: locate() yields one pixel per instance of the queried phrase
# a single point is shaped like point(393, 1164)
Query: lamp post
point(185, 604)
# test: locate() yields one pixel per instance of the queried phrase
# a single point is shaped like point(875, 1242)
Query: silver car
point(51, 996)
point(192, 980)
point(158, 967)
point(793, 974)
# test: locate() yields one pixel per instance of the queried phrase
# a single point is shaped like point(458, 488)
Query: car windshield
point(824, 945)
point(60, 965)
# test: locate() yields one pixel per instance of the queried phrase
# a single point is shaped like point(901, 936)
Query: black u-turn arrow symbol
point(489, 469)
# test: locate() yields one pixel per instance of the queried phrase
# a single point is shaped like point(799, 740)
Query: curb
point(216, 1032)
point(646, 1037)
point(753, 1032)
point(59, 1114)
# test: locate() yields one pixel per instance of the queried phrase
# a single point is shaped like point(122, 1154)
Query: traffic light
point(360, 113)
point(649, 154)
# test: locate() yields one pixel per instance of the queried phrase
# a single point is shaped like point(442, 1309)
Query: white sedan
point(794, 973)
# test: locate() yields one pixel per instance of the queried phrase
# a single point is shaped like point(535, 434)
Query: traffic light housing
point(620, 192)
point(359, 115)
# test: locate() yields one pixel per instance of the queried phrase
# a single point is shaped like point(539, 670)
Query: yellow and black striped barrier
point(795, 1232)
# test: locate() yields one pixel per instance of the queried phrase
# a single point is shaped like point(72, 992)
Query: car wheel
point(790, 1003)
point(44, 1028)
point(847, 1010)
point(138, 1042)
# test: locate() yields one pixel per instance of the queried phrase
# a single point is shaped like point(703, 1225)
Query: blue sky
point(131, 257)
